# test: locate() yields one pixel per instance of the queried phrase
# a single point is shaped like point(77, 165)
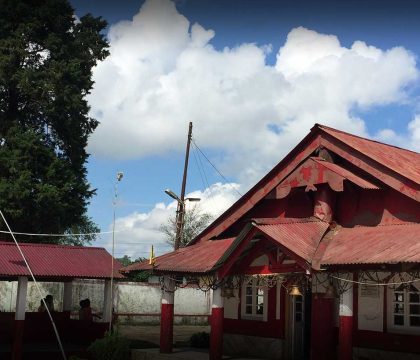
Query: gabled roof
point(311, 240)
point(402, 161)
point(199, 258)
point(56, 261)
point(396, 167)
point(300, 236)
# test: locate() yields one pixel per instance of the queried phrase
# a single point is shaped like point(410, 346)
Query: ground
point(150, 333)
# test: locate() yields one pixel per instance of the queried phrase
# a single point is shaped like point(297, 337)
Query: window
point(254, 303)
point(405, 311)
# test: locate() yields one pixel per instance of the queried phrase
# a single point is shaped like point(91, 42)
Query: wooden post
point(67, 296)
point(22, 289)
point(180, 213)
point(346, 325)
point(167, 316)
point(106, 312)
point(216, 323)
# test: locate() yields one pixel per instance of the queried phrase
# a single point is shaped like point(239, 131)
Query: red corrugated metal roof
point(198, 258)
point(400, 160)
point(346, 174)
point(300, 236)
point(383, 244)
point(56, 261)
point(404, 162)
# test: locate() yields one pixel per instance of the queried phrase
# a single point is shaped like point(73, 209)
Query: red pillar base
point(322, 328)
point(17, 347)
point(166, 328)
point(216, 334)
point(345, 338)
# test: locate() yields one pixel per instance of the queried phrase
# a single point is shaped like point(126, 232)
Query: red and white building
point(319, 260)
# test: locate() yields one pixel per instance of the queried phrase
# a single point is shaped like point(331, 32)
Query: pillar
point(22, 289)
point(345, 335)
point(107, 311)
point(324, 203)
point(167, 315)
point(216, 323)
point(322, 327)
point(67, 296)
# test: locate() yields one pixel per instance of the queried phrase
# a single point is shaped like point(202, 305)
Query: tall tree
point(46, 61)
point(195, 221)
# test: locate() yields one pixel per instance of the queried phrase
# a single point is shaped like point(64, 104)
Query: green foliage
point(200, 340)
point(141, 276)
point(46, 61)
point(111, 347)
point(195, 221)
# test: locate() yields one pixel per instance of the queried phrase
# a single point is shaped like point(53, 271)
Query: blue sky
point(253, 76)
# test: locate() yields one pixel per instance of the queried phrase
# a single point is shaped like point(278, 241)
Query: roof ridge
point(320, 126)
point(277, 221)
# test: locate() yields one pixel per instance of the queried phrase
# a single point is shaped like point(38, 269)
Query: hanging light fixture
point(294, 291)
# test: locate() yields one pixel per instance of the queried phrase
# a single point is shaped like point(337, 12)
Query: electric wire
point(214, 166)
point(206, 184)
point(374, 284)
point(36, 285)
point(59, 235)
point(198, 167)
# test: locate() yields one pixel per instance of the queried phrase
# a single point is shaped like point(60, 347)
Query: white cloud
point(138, 231)
point(414, 131)
point(163, 72)
point(410, 139)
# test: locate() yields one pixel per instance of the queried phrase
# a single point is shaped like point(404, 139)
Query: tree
point(46, 61)
point(195, 221)
point(141, 276)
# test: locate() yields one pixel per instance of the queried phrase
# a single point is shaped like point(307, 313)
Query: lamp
point(180, 213)
point(172, 194)
point(294, 291)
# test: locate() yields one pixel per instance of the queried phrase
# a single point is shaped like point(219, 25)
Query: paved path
point(182, 334)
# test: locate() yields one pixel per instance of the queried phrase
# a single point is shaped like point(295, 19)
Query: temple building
point(319, 260)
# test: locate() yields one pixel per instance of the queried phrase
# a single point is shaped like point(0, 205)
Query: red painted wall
point(373, 207)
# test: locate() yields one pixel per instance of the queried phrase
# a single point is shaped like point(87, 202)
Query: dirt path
point(150, 333)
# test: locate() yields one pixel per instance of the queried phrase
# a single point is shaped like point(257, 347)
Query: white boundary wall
point(129, 298)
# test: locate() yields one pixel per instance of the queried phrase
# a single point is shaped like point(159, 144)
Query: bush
point(111, 347)
point(200, 340)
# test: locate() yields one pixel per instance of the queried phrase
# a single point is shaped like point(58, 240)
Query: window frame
point(254, 286)
point(406, 328)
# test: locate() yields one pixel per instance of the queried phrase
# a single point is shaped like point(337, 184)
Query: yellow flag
point(152, 257)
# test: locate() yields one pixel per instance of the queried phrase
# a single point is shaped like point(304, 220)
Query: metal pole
point(181, 203)
point(114, 203)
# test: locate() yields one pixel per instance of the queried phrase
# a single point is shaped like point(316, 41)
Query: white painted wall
point(231, 306)
point(371, 308)
point(129, 297)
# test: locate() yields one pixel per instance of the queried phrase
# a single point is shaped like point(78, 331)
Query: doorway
point(300, 326)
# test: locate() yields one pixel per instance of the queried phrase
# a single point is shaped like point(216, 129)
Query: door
point(298, 327)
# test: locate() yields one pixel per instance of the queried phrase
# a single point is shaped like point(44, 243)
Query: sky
point(253, 76)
